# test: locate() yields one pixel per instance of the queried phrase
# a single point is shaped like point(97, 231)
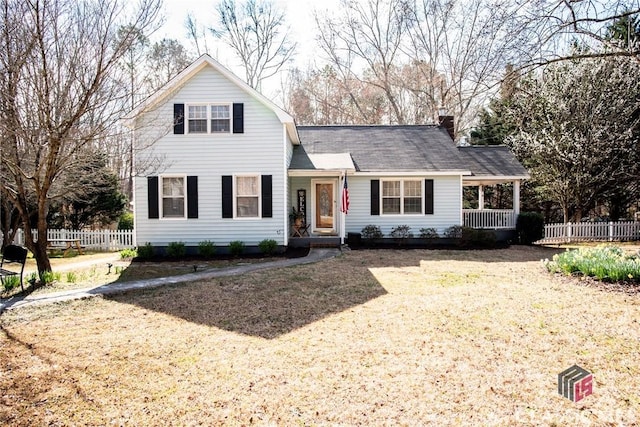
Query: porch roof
point(491, 163)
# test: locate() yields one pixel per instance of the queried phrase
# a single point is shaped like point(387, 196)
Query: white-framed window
point(197, 118)
point(209, 118)
point(220, 119)
point(402, 197)
point(247, 196)
point(173, 190)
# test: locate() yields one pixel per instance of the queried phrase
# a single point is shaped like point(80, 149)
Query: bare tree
point(61, 96)
point(196, 33)
point(561, 22)
point(165, 60)
point(366, 38)
point(256, 31)
point(130, 61)
point(469, 43)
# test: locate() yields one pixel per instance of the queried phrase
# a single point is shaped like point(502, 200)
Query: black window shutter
point(267, 211)
point(152, 197)
point(375, 197)
point(238, 118)
point(192, 197)
point(227, 196)
point(178, 118)
point(428, 196)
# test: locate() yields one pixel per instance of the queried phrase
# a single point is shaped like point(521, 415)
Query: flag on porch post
point(345, 196)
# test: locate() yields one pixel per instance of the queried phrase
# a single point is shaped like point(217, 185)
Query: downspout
point(285, 183)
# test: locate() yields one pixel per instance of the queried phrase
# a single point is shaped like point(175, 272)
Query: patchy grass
point(91, 270)
point(371, 337)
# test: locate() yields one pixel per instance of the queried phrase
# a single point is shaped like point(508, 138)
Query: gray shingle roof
point(492, 160)
point(382, 148)
point(403, 148)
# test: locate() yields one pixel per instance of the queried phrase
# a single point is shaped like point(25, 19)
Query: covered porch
point(491, 193)
point(499, 214)
point(317, 217)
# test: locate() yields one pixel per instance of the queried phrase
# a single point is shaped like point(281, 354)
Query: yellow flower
point(630, 276)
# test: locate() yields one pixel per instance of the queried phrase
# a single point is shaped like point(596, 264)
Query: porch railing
point(99, 240)
point(591, 231)
point(490, 218)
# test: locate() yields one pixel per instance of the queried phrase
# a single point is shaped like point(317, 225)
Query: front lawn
point(371, 337)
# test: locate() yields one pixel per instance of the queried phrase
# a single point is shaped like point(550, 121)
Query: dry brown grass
point(92, 270)
point(369, 338)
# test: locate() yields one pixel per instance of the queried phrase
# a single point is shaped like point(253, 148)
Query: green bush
point(453, 232)
point(206, 248)
point(268, 246)
point(471, 237)
point(146, 251)
point(236, 248)
point(429, 233)
point(126, 221)
point(401, 232)
point(10, 282)
point(477, 238)
point(604, 263)
point(176, 250)
point(529, 227)
point(128, 253)
point(371, 232)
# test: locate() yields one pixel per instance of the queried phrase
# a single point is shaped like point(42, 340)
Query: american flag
point(345, 196)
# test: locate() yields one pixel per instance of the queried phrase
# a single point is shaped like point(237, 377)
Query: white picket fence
point(98, 240)
point(591, 231)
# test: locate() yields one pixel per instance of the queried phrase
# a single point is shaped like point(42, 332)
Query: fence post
point(568, 232)
point(610, 231)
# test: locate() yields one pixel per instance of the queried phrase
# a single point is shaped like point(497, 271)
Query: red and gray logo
point(575, 383)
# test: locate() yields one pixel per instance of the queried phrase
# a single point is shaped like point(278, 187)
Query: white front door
point(324, 211)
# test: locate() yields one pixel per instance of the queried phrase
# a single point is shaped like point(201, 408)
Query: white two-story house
point(223, 163)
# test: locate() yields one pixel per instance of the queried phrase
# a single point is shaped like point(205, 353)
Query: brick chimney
point(447, 123)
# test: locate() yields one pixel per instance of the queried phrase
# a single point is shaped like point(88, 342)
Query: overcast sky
point(299, 14)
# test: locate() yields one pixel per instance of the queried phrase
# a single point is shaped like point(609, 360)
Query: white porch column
point(480, 197)
point(516, 197)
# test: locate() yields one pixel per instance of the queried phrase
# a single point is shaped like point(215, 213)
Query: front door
point(324, 216)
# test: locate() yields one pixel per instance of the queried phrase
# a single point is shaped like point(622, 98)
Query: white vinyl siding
point(260, 150)
point(447, 204)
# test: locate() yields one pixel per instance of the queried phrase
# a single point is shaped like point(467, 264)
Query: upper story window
point(209, 118)
point(173, 197)
point(400, 197)
point(247, 196)
point(197, 119)
point(220, 118)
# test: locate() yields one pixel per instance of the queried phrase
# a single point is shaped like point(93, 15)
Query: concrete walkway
point(315, 255)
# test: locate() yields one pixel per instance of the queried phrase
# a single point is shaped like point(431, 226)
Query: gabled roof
point(410, 148)
point(162, 94)
point(489, 161)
